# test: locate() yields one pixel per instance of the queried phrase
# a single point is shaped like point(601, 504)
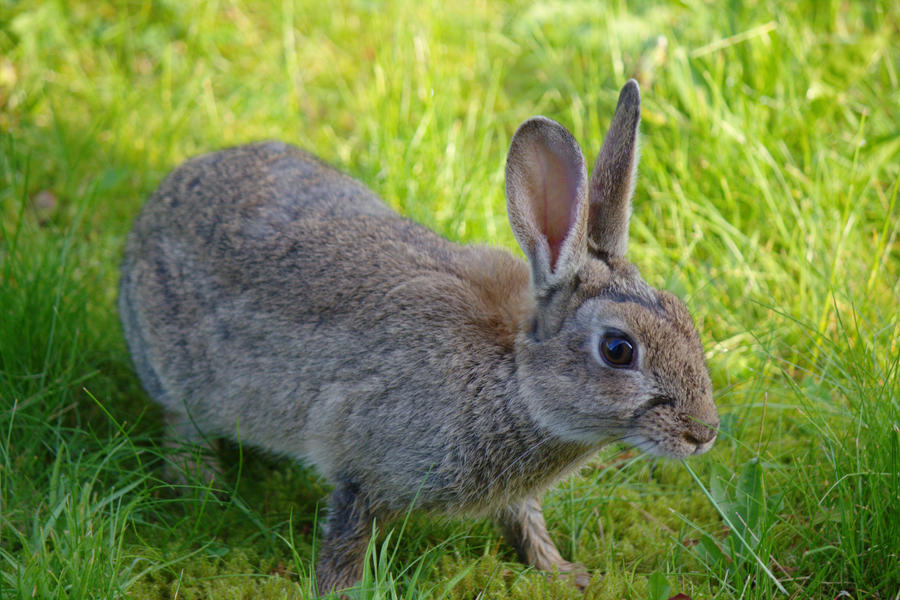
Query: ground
point(766, 198)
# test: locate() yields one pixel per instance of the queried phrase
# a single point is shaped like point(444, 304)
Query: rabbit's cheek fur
point(578, 401)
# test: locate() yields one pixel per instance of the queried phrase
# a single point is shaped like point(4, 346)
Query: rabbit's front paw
point(576, 573)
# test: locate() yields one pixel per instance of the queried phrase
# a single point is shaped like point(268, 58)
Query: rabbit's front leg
point(346, 537)
point(524, 527)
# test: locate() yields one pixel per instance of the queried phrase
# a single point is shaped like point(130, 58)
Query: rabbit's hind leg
point(524, 527)
point(346, 537)
point(192, 455)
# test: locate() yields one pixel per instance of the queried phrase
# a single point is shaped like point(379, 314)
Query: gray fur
point(267, 297)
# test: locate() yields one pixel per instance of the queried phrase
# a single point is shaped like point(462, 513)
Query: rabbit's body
point(268, 298)
point(358, 301)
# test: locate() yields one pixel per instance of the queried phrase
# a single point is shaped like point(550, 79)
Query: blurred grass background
point(767, 199)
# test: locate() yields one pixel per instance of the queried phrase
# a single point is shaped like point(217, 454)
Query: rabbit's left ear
point(612, 181)
point(546, 199)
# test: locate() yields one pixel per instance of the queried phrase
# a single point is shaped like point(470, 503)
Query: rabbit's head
point(605, 356)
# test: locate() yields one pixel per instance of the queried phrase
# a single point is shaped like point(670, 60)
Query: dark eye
point(617, 350)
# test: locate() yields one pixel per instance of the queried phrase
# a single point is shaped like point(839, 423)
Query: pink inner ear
point(554, 201)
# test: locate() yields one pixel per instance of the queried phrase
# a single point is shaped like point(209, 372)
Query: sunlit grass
point(767, 198)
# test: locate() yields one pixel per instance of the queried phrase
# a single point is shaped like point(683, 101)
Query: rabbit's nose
point(699, 433)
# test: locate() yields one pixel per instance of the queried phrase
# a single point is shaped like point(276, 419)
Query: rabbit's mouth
point(668, 448)
point(704, 446)
point(645, 444)
point(660, 429)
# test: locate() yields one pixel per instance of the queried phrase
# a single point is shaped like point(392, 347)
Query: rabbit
point(268, 298)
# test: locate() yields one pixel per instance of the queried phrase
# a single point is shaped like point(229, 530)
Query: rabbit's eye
point(617, 350)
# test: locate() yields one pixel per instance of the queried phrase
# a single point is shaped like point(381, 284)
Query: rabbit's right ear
point(546, 199)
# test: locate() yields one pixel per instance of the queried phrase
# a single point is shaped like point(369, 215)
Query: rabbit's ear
point(546, 199)
point(612, 181)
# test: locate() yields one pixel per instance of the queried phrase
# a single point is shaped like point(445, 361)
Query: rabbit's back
point(266, 291)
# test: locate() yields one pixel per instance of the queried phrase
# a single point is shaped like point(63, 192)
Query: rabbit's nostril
point(699, 437)
point(690, 438)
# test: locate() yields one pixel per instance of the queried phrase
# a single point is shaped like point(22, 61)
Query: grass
point(767, 199)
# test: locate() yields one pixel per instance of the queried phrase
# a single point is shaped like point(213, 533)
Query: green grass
point(767, 199)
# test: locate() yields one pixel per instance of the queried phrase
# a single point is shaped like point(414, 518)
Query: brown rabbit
point(267, 297)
